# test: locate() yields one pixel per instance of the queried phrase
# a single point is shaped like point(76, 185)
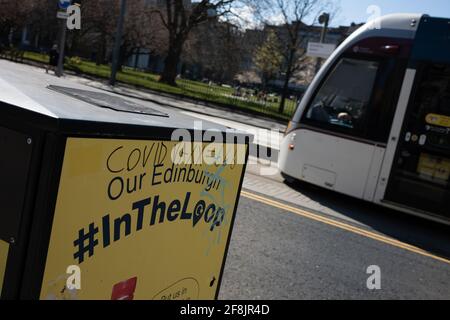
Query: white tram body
point(375, 122)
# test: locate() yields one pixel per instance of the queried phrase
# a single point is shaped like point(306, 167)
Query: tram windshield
point(343, 99)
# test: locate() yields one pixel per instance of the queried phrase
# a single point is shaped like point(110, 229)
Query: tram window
point(344, 98)
point(434, 92)
point(385, 98)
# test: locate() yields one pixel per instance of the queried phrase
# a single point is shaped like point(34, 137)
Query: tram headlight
point(292, 144)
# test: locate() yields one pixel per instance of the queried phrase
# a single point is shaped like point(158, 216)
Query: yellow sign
point(4, 248)
point(434, 167)
point(438, 120)
point(138, 225)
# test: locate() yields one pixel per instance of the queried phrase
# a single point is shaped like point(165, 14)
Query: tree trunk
point(289, 72)
point(171, 62)
point(284, 94)
point(136, 58)
point(123, 57)
point(263, 83)
point(101, 51)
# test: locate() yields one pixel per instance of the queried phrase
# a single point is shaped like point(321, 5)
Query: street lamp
point(324, 19)
point(118, 42)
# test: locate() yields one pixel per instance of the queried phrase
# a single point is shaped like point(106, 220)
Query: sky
point(355, 10)
point(358, 11)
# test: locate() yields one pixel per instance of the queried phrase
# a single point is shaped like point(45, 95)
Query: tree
point(293, 15)
point(44, 23)
point(216, 47)
point(14, 17)
point(268, 58)
point(180, 17)
point(99, 18)
point(141, 29)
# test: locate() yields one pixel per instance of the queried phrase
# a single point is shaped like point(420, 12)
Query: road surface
point(305, 243)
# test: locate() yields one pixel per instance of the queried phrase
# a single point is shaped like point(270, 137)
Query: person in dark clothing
point(54, 57)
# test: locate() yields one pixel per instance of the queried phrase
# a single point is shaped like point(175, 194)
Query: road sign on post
point(62, 14)
point(117, 43)
point(64, 4)
point(62, 44)
point(320, 50)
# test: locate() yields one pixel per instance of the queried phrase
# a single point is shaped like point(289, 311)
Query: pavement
point(175, 102)
point(267, 132)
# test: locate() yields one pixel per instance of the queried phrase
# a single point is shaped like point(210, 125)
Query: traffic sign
point(62, 15)
point(64, 4)
point(320, 50)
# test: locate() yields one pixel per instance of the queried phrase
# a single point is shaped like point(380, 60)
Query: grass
point(188, 88)
point(38, 57)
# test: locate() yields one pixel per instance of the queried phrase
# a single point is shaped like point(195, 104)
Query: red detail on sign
point(124, 290)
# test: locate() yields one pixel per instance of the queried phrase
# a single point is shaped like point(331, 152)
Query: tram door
point(420, 176)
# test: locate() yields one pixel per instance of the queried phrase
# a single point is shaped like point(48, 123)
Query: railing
point(239, 98)
point(12, 53)
point(245, 98)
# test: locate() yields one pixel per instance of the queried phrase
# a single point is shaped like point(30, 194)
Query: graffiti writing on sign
point(141, 171)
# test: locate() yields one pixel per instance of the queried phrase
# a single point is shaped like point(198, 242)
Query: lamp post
point(62, 5)
point(62, 46)
point(324, 19)
point(118, 42)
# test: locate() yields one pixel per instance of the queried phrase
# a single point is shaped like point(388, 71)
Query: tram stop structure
point(106, 197)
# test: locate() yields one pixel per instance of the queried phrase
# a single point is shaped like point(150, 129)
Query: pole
point(324, 19)
point(62, 45)
point(118, 41)
point(11, 37)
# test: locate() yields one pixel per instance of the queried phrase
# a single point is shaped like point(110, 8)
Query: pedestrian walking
point(54, 57)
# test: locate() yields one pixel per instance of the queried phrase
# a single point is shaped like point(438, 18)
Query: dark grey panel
point(15, 157)
point(433, 41)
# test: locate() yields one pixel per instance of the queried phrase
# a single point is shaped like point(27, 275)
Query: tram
point(375, 122)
